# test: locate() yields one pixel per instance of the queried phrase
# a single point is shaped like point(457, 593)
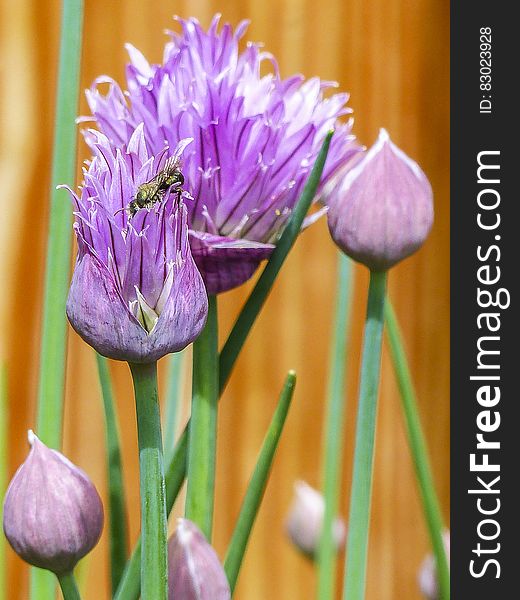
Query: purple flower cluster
point(255, 139)
point(136, 293)
point(244, 143)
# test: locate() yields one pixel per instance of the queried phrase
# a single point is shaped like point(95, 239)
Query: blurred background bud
point(427, 572)
point(53, 515)
point(194, 569)
point(381, 211)
point(305, 520)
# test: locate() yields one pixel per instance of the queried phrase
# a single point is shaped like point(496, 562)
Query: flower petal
point(224, 262)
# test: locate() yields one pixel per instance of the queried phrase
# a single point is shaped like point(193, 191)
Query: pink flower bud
point(53, 515)
point(194, 569)
point(305, 520)
point(427, 573)
point(381, 211)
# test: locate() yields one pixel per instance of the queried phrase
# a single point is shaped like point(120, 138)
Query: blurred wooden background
point(392, 55)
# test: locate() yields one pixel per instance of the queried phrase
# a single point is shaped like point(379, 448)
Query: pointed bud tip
point(383, 135)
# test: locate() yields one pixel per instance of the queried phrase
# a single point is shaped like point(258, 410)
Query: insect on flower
point(153, 191)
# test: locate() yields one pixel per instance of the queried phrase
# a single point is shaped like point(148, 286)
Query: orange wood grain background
point(392, 55)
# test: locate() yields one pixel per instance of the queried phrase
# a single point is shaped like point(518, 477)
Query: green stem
point(173, 395)
point(418, 450)
point(203, 425)
point(130, 586)
point(361, 493)
point(154, 573)
point(265, 282)
point(116, 492)
point(333, 438)
point(257, 485)
point(176, 469)
point(59, 247)
point(69, 587)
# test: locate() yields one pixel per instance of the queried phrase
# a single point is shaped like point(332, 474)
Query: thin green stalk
point(59, 247)
point(176, 469)
point(116, 488)
point(172, 403)
point(361, 493)
point(4, 407)
point(263, 286)
point(130, 586)
point(256, 488)
point(418, 450)
point(154, 568)
point(69, 587)
point(200, 492)
point(332, 436)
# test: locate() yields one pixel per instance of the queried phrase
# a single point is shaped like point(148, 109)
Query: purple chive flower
point(255, 139)
point(136, 293)
point(194, 569)
point(381, 210)
point(53, 515)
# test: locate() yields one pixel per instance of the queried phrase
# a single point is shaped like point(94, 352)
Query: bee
point(151, 192)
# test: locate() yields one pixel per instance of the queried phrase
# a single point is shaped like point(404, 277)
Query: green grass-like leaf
point(256, 488)
point(59, 244)
point(258, 296)
point(333, 431)
point(418, 449)
point(116, 490)
point(202, 445)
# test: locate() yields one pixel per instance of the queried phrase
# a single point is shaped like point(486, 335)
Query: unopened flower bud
point(428, 573)
point(305, 520)
point(194, 569)
point(381, 211)
point(53, 515)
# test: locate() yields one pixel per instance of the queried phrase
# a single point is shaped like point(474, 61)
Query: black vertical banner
point(485, 262)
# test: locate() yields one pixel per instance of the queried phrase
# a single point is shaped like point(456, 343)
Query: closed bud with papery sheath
point(305, 520)
point(194, 569)
point(381, 211)
point(53, 515)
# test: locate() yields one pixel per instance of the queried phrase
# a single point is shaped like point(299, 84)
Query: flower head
point(136, 293)
point(194, 570)
point(381, 211)
point(428, 573)
point(255, 139)
point(53, 515)
point(305, 520)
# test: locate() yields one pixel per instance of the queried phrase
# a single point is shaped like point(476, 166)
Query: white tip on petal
point(383, 135)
